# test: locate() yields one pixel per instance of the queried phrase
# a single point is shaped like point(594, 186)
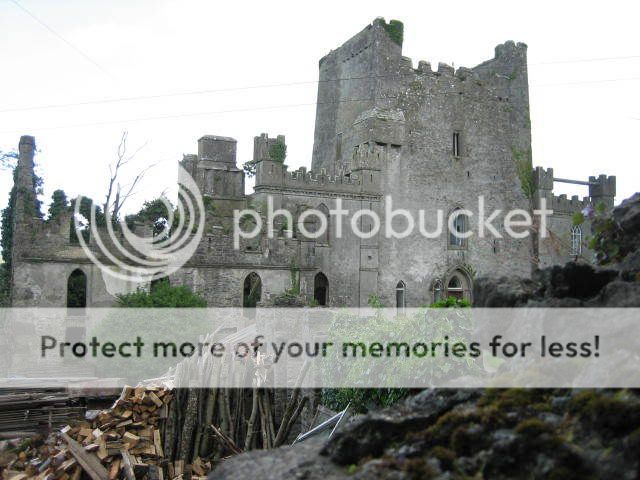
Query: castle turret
point(602, 190)
point(542, 186)
point(268, 156)
point(215, 168)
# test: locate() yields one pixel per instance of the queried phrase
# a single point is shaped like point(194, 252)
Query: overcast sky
point(585, 105)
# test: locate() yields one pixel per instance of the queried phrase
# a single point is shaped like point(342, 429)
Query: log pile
point(124, 441)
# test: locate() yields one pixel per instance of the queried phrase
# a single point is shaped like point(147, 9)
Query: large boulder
point(455, 434)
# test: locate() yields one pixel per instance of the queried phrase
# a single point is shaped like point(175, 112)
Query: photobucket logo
point(398, 223)
point(134, 258)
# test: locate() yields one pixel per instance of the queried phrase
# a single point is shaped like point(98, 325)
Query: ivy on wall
point(278, 151)
point(395, 30)
point(6, 237)
point(524, 169)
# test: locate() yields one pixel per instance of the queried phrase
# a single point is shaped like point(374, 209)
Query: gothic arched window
point(576, 240)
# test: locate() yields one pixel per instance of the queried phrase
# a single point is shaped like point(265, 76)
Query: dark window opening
point(77, 289)
point(252, 290)
point(321, 289)
point(456, 144)
point(400, 296)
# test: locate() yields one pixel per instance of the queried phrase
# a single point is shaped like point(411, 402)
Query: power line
point(584, 60)
point(585, 82)
point(60, 37)
point(266, 86)
point(194, 114)
point(281, 106)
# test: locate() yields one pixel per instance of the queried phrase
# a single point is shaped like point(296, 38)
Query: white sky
point(155, 47)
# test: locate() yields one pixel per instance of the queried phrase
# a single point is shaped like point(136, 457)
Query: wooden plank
point(154, 398)
point(114, 471)
point(131, 439)
point(127, 465)
point(88, 462)
point(157, 442)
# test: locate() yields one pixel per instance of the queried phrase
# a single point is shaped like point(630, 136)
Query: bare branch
point(116, 195)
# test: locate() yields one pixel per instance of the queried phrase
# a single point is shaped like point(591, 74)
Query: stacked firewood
point(124, 441)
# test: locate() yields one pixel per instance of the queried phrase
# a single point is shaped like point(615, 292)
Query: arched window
point(576, 240)
point(454, 288)
point(321, 289)
point(401, 290)
point(77, 289)
point(459, 285)
point(252, 290)
point(438, 290)
point(460, 225)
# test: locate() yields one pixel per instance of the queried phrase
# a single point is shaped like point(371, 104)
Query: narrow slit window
point(456, 144)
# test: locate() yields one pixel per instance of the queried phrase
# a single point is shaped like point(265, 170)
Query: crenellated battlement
point(510, 48)
point(602, 189)
point(444, 69)
point(274, 174)
point(562, 204)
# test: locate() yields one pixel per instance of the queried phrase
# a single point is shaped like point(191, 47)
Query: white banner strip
point(321, 348)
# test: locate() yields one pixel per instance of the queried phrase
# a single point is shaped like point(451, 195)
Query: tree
point(162, 295)
point(153, 212)
point(118, 194)
point(277, 153)
point(7, 159)
point(86, 205)
point(59, 204)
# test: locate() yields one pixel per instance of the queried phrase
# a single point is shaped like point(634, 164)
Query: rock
point(300, 461)
point(500, 434)
point(504, 292)
point(575, 280)
point(371, 433)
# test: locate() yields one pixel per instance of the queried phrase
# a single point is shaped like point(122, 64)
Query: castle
point(426, 139)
